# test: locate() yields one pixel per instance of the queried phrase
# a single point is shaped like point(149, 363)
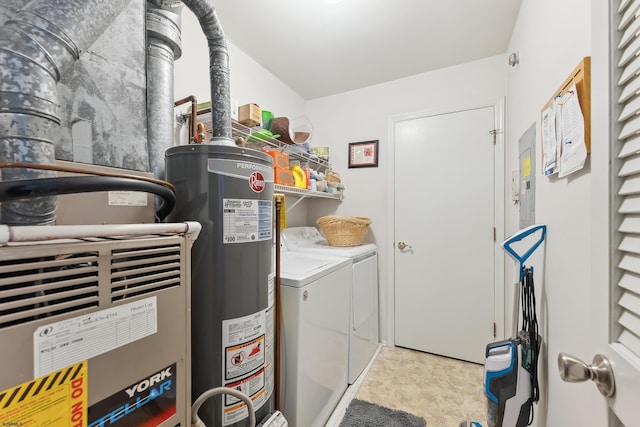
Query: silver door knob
point(403, 245)
point(574, 370)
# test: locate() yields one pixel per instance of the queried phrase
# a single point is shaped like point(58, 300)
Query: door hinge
point(495, 132)
point(494, 234)
point(495, 332)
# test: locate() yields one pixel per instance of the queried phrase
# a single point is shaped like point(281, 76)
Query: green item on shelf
point(261, 134)
point(201, 106)
point(267, 119)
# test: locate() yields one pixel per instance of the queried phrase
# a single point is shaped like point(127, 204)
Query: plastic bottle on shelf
point(314, 184)
point(307, 173)
point(299, 175)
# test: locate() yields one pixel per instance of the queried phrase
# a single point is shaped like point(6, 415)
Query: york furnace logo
point(256, 182)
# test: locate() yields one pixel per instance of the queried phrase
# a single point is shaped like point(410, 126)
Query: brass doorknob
point(403, 245)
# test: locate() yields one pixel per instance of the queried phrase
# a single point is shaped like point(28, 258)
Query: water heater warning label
point(248, 348)
point(245, 357)
point(246, 220)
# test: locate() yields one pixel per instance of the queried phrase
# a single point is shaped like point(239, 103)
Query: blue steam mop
point(510, 372)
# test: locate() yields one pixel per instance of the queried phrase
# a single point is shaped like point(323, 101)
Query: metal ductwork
point(163, 48)
point(218, 70)
point(42, 41)
point(37, 46)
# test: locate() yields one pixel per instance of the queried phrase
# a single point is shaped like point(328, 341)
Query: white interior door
point(445, 210)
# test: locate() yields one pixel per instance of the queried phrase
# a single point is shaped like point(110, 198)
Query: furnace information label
point(69, 341)
point(58, 399)
point(246, 220)
point(127, 198)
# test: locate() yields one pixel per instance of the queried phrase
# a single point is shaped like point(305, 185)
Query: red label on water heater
point(256, 182)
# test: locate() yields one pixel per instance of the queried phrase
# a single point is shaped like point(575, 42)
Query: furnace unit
point(96, 329)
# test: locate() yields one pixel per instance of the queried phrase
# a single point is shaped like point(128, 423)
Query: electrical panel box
point(95, 331)
point(527, 160)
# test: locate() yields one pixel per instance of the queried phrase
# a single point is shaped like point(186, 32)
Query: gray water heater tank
point(229, 190)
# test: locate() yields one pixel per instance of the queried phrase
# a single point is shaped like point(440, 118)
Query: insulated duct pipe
point(163, 47)
point(37, 46)
point(218, 70)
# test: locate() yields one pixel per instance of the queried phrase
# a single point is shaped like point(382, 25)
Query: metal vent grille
point(39, 287)
point(138, 271)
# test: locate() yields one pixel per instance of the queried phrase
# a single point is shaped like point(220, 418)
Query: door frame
point(500, 193)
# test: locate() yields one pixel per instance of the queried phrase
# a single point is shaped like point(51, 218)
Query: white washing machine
point(314, 296)
point(363, 319)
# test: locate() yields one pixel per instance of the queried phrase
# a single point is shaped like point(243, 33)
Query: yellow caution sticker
point(58, 399)
point(526, 166)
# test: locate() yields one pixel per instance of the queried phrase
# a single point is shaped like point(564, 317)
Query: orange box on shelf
point(283, 176)
point(280, 159)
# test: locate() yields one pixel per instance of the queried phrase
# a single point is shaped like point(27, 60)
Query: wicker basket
point(344, 230)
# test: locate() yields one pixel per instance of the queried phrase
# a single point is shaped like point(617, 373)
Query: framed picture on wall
point(363, 154)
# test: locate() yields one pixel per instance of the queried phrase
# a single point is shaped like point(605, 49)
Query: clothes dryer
point(363, 318)
point(314, 296)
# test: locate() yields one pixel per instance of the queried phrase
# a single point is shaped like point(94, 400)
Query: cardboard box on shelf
point(250, 115)
point(280, 160)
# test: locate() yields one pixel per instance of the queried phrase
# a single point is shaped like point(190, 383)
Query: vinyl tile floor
point(441, 390)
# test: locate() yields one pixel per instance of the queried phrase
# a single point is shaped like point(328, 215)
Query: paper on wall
point(550, 140)
point(574, 150)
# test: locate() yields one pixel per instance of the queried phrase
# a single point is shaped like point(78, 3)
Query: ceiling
point(319, 49)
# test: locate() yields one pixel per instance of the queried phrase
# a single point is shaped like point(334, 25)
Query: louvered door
point(623, 348)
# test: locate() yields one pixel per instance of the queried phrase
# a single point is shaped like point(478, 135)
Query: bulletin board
point(581, 77)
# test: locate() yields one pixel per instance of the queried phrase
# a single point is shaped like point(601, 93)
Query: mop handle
point(516, 304)
point(506, 245)
point(520, 259)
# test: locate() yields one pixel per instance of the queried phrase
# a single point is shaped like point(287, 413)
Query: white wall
point(552, 37)
point(250, 82)
point(364, 114)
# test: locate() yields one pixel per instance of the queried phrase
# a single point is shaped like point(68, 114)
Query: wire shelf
point(306, 193)
point(259, 141)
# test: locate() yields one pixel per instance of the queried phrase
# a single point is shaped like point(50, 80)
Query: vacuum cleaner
point(511, 366)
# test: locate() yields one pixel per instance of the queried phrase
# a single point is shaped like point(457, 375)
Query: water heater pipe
point(197, 422)
point(218, 70)
point(38, 45)
point(280, 200)
point(193, 132)
point(51, 232)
